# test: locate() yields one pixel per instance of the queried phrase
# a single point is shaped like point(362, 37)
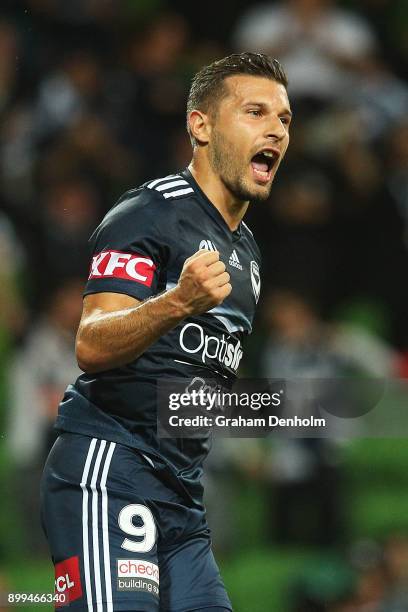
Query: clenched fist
point(203, 283)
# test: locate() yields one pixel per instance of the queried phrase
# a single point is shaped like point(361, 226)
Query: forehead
point(244, 88)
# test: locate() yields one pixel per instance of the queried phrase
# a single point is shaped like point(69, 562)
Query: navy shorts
point(121, 537)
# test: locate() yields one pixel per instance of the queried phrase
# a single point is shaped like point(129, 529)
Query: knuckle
point(202, 275)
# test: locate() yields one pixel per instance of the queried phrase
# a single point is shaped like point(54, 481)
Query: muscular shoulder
point(134, 206)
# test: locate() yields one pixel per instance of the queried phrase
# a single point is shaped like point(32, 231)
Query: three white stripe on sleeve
point(163, 185)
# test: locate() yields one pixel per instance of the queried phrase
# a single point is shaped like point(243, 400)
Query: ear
point(200, 126)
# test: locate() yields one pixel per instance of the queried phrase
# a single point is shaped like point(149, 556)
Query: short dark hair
point(207, 87)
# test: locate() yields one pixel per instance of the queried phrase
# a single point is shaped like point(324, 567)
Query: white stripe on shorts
point(85, 523)
point(105, 528)
point(95, 530)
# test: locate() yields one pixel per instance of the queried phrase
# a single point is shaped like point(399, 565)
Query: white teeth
point(268, 153)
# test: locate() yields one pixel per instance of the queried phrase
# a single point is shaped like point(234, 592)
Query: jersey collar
point(209, 206)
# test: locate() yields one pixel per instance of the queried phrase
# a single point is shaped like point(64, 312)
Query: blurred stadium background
point(92, 99)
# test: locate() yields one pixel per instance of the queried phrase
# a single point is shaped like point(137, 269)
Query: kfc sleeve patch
point(127, 266)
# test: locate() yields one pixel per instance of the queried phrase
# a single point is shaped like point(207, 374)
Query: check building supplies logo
point(138, 575)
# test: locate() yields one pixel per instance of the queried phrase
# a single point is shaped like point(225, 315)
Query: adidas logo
point(234, 261)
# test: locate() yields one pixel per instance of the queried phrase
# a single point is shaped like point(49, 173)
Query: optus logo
point(193, 340)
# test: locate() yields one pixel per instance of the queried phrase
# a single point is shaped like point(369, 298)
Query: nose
point(276, 130)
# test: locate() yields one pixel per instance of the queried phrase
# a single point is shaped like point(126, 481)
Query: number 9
point(147, 531)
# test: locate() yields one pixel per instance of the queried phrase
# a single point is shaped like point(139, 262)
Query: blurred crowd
point(92, 102)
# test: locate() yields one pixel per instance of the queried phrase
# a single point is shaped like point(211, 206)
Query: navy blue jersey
point(139, 250)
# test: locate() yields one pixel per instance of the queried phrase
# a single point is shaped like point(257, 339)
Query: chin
point(259, 193)
point(250, 191)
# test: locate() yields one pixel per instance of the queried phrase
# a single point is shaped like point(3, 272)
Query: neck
point(231, 209)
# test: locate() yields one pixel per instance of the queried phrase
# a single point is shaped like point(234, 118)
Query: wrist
point(178, 305)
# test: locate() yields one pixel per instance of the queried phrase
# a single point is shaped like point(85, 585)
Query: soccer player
point(173, 286)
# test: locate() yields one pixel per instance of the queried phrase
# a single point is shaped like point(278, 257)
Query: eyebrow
point(285, 111)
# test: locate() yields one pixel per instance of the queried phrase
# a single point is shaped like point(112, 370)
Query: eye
point(285, 120)
point(254, 112)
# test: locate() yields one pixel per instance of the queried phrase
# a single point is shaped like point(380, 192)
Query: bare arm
point(115, 329)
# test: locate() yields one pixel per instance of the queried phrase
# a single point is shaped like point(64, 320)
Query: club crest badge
point(255, 279)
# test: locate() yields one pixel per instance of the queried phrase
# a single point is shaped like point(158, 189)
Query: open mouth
point(262, 164)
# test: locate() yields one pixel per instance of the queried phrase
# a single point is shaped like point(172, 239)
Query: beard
point(225, 162)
